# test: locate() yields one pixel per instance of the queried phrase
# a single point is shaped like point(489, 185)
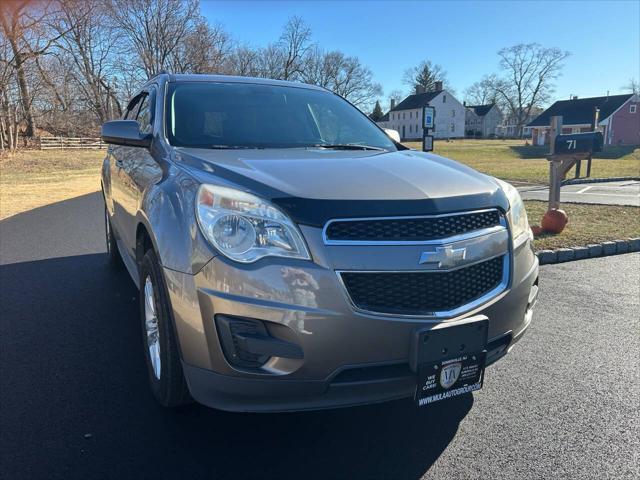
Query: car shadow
point(75, 401)
point(529, 151)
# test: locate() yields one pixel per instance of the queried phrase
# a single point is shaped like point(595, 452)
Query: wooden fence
point(49, 143)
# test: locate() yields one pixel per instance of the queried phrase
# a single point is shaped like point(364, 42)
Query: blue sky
point(463, 36)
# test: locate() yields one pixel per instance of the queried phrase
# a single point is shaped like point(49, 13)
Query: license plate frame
point(449, 360)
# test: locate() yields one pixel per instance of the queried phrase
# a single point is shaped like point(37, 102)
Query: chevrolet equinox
point(291, 254)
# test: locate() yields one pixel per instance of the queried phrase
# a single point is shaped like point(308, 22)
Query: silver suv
point(290, 255)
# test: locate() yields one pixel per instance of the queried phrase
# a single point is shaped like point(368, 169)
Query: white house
point(482, 120)
point(406, 117)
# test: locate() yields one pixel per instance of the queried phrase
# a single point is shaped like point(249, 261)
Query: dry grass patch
point(34, 178)
point(514, 161)
point(588, 223)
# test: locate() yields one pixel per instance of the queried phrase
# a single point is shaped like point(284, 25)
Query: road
point(606, 193)
point(74, 401)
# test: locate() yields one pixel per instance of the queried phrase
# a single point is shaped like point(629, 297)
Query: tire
point(161, 351)
point(112, 248)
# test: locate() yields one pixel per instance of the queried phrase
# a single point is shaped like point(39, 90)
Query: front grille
point(410, 229)
point(422, 293)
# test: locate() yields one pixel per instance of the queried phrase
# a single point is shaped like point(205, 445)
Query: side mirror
point(125, 132)
point(392, 134)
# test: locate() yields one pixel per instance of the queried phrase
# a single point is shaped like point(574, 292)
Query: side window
point(144, 115)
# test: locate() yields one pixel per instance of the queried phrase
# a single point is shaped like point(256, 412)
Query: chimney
point(438, 86)
point(464, 103)
point(420, 89)
point(393, 104)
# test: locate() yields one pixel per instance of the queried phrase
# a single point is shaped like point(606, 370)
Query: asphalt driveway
point(74, 401)
point(606, 193)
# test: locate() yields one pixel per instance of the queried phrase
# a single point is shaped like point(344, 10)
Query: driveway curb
point(578, 181)
point(593, 250)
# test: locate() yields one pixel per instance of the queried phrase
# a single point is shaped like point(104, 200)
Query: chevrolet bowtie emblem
point(444, 257)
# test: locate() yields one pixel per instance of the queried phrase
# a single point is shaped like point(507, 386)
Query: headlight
point(246, 228)
point(517, 214)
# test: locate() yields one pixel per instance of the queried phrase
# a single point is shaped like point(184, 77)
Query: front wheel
point(162, 356)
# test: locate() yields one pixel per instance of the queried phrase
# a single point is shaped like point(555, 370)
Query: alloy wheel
point(151, 326)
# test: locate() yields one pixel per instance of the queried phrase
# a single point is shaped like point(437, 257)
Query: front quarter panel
point(168, 213)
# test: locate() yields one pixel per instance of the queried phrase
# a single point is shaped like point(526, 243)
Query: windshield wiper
point(346, 146)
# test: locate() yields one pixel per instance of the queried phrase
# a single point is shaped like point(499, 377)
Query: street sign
point(427, 143)
point(429, 117)
point(578, 143)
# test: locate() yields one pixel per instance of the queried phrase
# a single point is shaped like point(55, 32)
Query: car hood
point(314, 185)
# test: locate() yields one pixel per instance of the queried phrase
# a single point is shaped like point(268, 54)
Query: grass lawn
point(514, 161)
point(588, 223)
point(33, 178)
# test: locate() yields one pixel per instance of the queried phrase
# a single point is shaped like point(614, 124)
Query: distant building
point(406, 117)
point(619, 118)
point(508, 127)
point(481, 121)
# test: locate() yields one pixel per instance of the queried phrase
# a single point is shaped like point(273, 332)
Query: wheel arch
point(166, 222)
point(144, 242)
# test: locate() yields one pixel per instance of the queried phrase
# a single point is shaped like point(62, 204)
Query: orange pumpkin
point(554, 221)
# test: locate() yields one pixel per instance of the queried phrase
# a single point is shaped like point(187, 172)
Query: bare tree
point(70, 65)
point(425, 75)
point(205, 49)
point(633, 86)
point(23, 26)
point(396, 96)
point(9, 98)
point(244, 61)
point(294, 42)
point(528, 81)
point(343, 75)
point(270, 62)
point(322, 68)
point(155, 28)
point(482, 92)
point(90, 45)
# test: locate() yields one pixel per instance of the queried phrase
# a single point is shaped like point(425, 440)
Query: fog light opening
point(246, 342)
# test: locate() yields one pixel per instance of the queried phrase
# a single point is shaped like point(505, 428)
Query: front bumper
point(350, 358)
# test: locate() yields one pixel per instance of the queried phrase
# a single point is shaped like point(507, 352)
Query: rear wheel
point(112, 247)
point(160, 343)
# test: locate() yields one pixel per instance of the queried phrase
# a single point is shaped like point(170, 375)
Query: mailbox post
point(566, 151)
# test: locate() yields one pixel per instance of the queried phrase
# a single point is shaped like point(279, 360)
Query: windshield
point(244, 115)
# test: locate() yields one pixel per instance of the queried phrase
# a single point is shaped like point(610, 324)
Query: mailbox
point(578, 143)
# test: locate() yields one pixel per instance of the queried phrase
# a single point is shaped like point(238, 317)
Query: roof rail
point(161, 72)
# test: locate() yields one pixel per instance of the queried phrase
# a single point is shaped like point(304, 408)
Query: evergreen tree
point(377, 113)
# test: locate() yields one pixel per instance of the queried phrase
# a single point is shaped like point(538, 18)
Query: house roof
point(481, 110)
point(417, 100)
point(384, 118)
point(580, 111)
